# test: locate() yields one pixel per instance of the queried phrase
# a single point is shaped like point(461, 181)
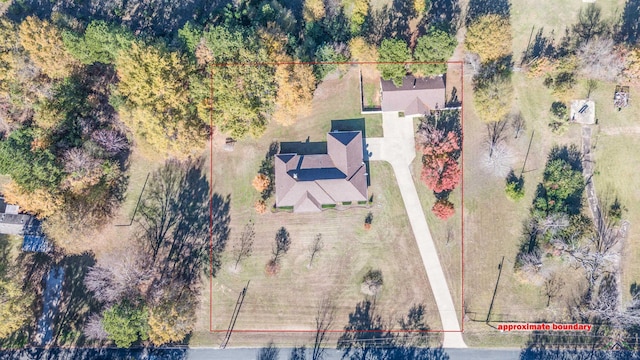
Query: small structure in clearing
point(583, 112)
point(621, 97)
point(416, 96)
point(12, 222)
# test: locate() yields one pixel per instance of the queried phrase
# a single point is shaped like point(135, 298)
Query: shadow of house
point(308, 180)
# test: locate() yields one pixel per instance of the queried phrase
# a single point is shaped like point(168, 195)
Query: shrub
point(261, 207)
point(372, 282)
point(514, 187)
point(443, 209)
point(559, 110)
point(260, 182)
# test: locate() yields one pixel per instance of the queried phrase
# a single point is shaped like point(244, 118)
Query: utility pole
point(234, 316)
point(527, 156)
point(496, 289)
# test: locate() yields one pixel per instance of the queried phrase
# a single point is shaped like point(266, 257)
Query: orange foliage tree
point(40, 202)
point(261, 207)
point(261, 182)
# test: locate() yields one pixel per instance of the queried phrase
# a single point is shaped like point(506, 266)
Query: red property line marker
point(217, 65)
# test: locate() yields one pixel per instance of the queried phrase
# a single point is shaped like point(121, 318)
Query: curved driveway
point(398, 148)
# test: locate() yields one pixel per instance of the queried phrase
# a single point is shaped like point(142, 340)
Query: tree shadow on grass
point(76, 302)
point(630, 27)
point(571, 154)
point(389, 22)
point(445, 15)
point(367, 336)
point(183, 223)
point(202, 227)
point(542, 46)
point(478, 8)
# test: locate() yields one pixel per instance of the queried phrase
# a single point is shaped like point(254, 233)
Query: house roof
point(12, 222)
point(306, 182)
point(415, 96)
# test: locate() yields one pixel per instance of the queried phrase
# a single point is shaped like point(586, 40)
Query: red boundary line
point(276, 63)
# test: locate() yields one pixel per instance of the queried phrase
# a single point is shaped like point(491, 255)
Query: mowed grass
point(288, 300)
point(551, 16)
point(492, 222)
point(617, 165)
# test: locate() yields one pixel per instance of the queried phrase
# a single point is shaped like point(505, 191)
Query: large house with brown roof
point(307, 183)
point(416, 96)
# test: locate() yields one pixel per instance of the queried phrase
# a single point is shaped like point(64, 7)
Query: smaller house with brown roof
point(307, 183)
point(416, 96)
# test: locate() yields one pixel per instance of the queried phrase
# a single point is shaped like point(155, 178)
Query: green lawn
point(551, 16)
point(288, 300)
point(617, 164)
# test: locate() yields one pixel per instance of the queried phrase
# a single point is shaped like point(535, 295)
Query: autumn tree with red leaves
point(443, 209)
point(441, 174)
point(438, 139)
point(440, 171)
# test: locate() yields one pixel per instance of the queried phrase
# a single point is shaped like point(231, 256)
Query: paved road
point(250, 354)
point(398, 148)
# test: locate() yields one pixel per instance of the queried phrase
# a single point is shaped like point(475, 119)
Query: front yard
point(288, 300)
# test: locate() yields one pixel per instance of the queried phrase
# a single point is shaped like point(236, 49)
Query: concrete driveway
point(398, 148)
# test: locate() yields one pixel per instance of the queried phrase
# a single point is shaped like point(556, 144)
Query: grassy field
point(493, 222)
point(289, 300)
point(550, 16)
point(617, 164)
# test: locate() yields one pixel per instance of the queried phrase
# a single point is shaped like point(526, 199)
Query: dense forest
point(84, 84)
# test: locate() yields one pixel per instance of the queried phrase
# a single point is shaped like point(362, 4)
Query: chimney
point(414, 82)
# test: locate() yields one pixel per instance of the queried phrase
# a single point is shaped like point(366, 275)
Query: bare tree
point(110, 140)
point(552, 286)
point(518, 124)
point(118, 274)
point(315, 247)
point(324, 321)
point(93, 329)
point(499, 163)
point(78, 161)
point(495, 134)
point(244, 247)
point(600, 60)
point(531, 261)
point(428, 133)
